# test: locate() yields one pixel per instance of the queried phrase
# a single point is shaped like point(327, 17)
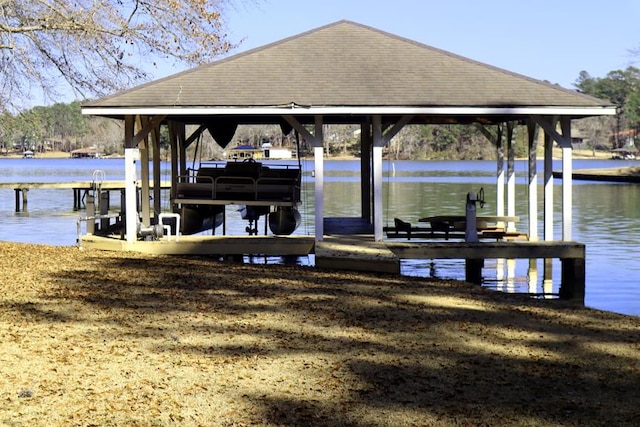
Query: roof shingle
point(347, 64)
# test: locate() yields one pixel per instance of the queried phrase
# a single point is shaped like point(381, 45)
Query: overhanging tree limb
point(97, 47)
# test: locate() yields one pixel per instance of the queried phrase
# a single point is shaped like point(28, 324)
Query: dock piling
point(572, 286)
point(473, 270)
point(22, 191)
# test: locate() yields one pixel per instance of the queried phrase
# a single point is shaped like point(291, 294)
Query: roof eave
point(573, 111)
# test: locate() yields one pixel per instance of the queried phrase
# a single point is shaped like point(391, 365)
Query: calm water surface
point(606, 216)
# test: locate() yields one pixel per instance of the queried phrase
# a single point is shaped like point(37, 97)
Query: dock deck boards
point(207, 245)
point(358, 253)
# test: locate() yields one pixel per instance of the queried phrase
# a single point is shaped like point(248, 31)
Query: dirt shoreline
point(101, 338)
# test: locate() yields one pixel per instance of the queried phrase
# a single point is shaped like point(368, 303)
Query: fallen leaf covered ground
point(92, 338)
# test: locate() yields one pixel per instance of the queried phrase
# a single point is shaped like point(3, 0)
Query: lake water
point(606, 216)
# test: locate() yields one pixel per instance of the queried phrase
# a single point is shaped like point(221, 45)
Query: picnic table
point(453, 226)
point(458, 222)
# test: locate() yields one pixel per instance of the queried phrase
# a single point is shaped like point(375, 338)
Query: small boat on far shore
point(626, 153)
point(629, 174)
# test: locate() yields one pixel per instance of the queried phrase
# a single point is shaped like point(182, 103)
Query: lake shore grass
point(111, 339)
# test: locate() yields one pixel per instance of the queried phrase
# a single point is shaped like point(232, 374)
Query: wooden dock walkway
point(207, 245)
point(80, 188)
point(361, 253)
point(357, 253)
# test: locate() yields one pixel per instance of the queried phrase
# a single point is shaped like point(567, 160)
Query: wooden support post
point(572, 287)
point(123, 215)
point(103, 203)
point(366, 140)
point(473, 270)
point(547, 275)
point(91, 211)
point(21, 192)
point(224, 222)
point(532, 275)
point(17, 191)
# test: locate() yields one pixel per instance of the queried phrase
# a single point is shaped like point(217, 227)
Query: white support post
point(145, 193)
point(157, 186)
point(318, 158)
point(500, 174)
point(471, 227)
point(548, 188)
point(511, 178)
point(567, 180)
point(533, 182)
point(564, 141)
point(500, 192)
point(567, 193)
point(131, 155)
point(547, 274)
point(378, 143)
point(318, 155)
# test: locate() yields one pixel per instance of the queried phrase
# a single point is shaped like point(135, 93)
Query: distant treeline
point(62, 127)
point(59, 127)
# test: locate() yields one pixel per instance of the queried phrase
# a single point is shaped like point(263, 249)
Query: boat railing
point(241, 182)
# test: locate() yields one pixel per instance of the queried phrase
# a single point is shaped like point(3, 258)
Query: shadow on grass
point(437, 352)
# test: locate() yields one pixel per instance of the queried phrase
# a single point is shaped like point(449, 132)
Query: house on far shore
point(280, 153)
point(242, 152)
point(81, 153)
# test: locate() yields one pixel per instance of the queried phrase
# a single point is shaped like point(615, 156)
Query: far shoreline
point(557, 155)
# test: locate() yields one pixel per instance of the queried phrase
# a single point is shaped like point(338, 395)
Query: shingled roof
point(343, 64)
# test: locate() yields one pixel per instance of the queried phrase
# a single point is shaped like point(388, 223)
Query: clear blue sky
point(545, 39)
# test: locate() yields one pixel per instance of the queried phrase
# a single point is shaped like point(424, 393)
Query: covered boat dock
point(347, 73)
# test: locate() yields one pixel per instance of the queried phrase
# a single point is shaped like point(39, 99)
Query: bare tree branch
point(94, 47)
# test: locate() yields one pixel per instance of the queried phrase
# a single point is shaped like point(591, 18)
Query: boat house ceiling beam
point(495, 139)
point(148, 125)
point(549, 126)
point(397, 127)
point(317, 139)
point(195, 135)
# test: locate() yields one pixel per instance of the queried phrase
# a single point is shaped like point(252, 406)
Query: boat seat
point(243, 169)
point(209, 174)
point(238, 181)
